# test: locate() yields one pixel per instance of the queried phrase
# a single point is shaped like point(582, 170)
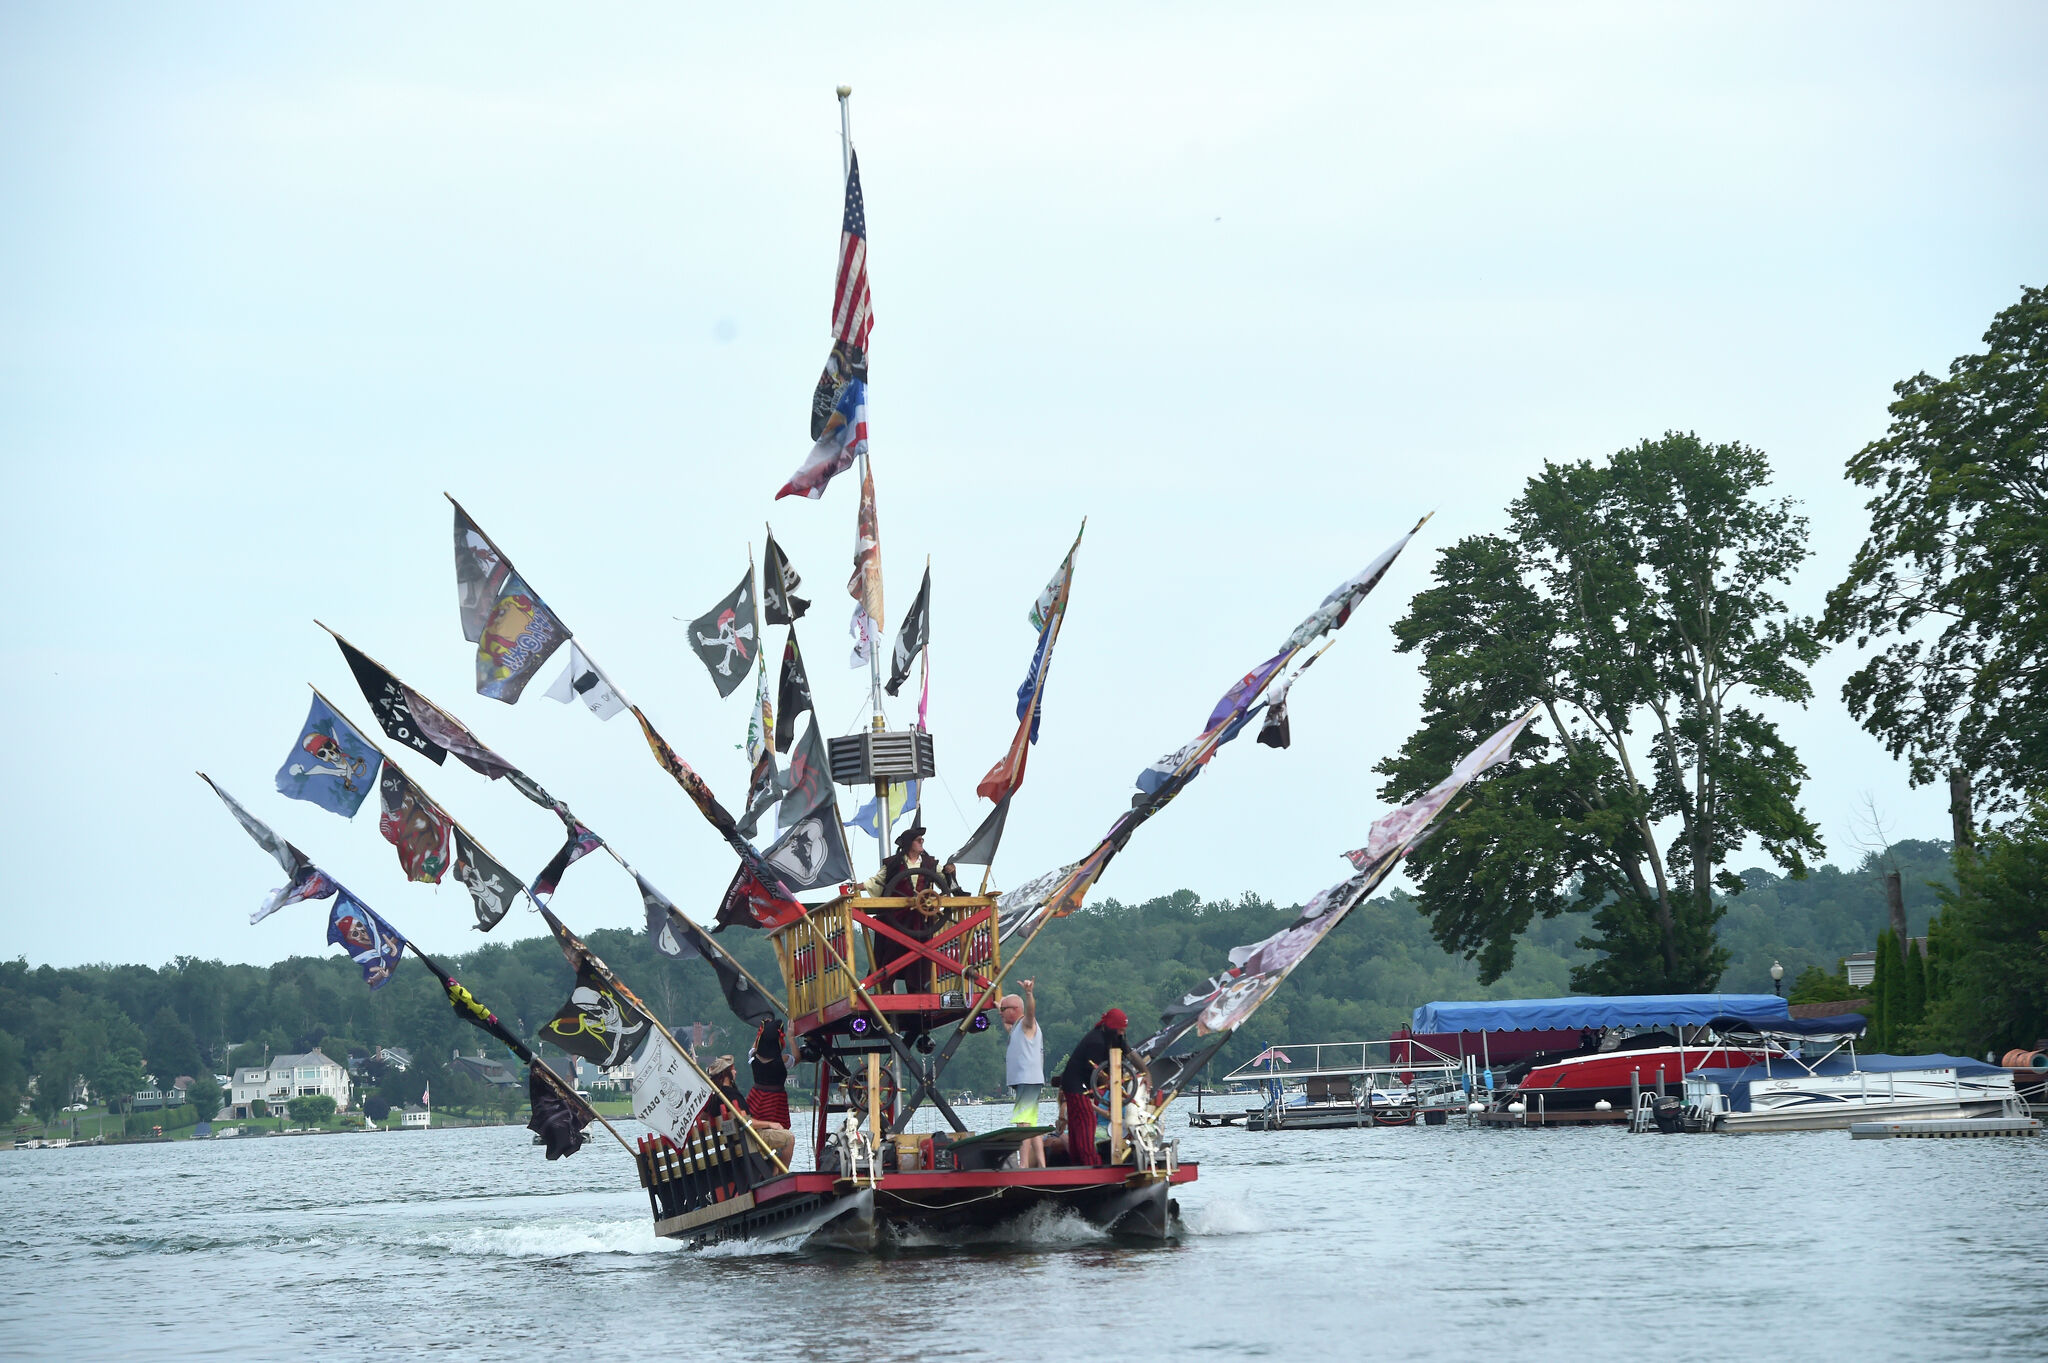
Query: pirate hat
point(719, 1066)
point(909, 835)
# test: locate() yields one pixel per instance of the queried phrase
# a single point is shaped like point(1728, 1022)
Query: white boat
point(1788, 1092)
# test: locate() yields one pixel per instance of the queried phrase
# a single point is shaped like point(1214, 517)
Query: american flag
point(853, 307)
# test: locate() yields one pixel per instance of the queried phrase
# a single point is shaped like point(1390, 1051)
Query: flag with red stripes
point(853, 308)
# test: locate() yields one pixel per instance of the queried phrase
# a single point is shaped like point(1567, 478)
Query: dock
point(1964, 1129)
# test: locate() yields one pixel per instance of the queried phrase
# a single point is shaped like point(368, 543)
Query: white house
point(287, 1077)
point(420, 1117)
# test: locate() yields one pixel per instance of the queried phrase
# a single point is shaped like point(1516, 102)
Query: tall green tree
point(1636, 598)
point(1952, 581)
point(1993, 933)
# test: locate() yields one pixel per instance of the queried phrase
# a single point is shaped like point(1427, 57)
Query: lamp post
point(1777, 977)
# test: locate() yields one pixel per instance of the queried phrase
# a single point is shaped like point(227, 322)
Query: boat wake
point(553, 1240)
point(1225, 1216)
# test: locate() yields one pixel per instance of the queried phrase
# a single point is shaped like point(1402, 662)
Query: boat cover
point(1620, 1010)
point(1840, 1024)
point(1735, 1082)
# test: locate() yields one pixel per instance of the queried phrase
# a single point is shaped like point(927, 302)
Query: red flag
point(1008, 774)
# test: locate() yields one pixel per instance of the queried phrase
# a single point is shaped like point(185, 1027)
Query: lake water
point(1443, 1242)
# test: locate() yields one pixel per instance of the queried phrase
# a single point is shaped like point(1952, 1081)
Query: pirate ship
point(879, 990)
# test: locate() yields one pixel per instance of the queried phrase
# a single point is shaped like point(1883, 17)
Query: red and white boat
point(1640, 1064)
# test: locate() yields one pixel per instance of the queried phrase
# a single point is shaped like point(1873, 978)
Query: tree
point(116, 1075)
point(1993, 932)
point(1954, 572)
point(171, 1050)
point(1635, 600)
point(248, 1054)
point(1815, 985)
point(205, 1095)
point(13, 1079)
point(310, 1110)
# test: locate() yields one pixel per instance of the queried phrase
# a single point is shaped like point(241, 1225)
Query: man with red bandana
point(1090, 1056)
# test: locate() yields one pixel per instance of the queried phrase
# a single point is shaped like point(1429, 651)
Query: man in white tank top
point(1024, 1068)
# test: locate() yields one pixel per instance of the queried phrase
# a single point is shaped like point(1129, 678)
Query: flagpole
point(730, 958)
point(453, 822)
point(746, 1123)
point(520, 1049)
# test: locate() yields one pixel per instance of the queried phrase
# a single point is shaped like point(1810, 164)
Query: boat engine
point(1669, 1115)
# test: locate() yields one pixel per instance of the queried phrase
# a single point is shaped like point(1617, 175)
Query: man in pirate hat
point(905, 875)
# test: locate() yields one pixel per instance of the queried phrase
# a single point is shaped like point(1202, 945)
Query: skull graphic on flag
point(727, 637)
point(370, 941)
point(332, 765)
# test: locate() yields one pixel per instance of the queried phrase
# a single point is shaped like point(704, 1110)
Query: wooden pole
point(708, 939)
point(441, 808)
point(1116, 1106)
point(875, 1101)
point(520, 1049)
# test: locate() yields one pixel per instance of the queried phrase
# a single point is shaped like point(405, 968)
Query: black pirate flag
point(388, 703)
point(792, 694)
point(596, 1023)
point(727, 637)
point(778, 587)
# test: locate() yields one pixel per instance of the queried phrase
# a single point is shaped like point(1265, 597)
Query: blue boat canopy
point(1618, 1010)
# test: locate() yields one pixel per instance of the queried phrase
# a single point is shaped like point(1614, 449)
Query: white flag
point(668, 1093)
point(865, 637)
point(581, 678)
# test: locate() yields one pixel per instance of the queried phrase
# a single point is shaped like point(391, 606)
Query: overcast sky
point(1249, 292)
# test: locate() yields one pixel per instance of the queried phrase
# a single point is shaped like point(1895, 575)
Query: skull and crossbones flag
point(370, 941)
point(596, 1023)
point(778, 587)
point(727, 637)
point(332, 765)
point(490, 885)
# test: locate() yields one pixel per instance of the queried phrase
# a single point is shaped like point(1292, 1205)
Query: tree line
point(63, 1027)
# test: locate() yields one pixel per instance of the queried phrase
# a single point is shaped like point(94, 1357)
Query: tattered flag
point(305, 880)
point(727, 637)
point(411, 822)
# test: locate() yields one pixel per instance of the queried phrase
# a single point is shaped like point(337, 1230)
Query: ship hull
point(823, 1212)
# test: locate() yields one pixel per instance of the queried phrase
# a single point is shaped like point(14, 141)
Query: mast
point(875, 721)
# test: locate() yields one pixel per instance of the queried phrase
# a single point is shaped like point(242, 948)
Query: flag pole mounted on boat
point(866, 475)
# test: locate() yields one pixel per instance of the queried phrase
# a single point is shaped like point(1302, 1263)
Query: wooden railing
point(963, 930)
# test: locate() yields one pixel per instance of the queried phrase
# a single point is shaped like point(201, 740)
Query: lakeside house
point(287, 1077)
point(416, 1117)
point(486, 1070)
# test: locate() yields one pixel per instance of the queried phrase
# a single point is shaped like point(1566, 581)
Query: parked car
point(76, 1107)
